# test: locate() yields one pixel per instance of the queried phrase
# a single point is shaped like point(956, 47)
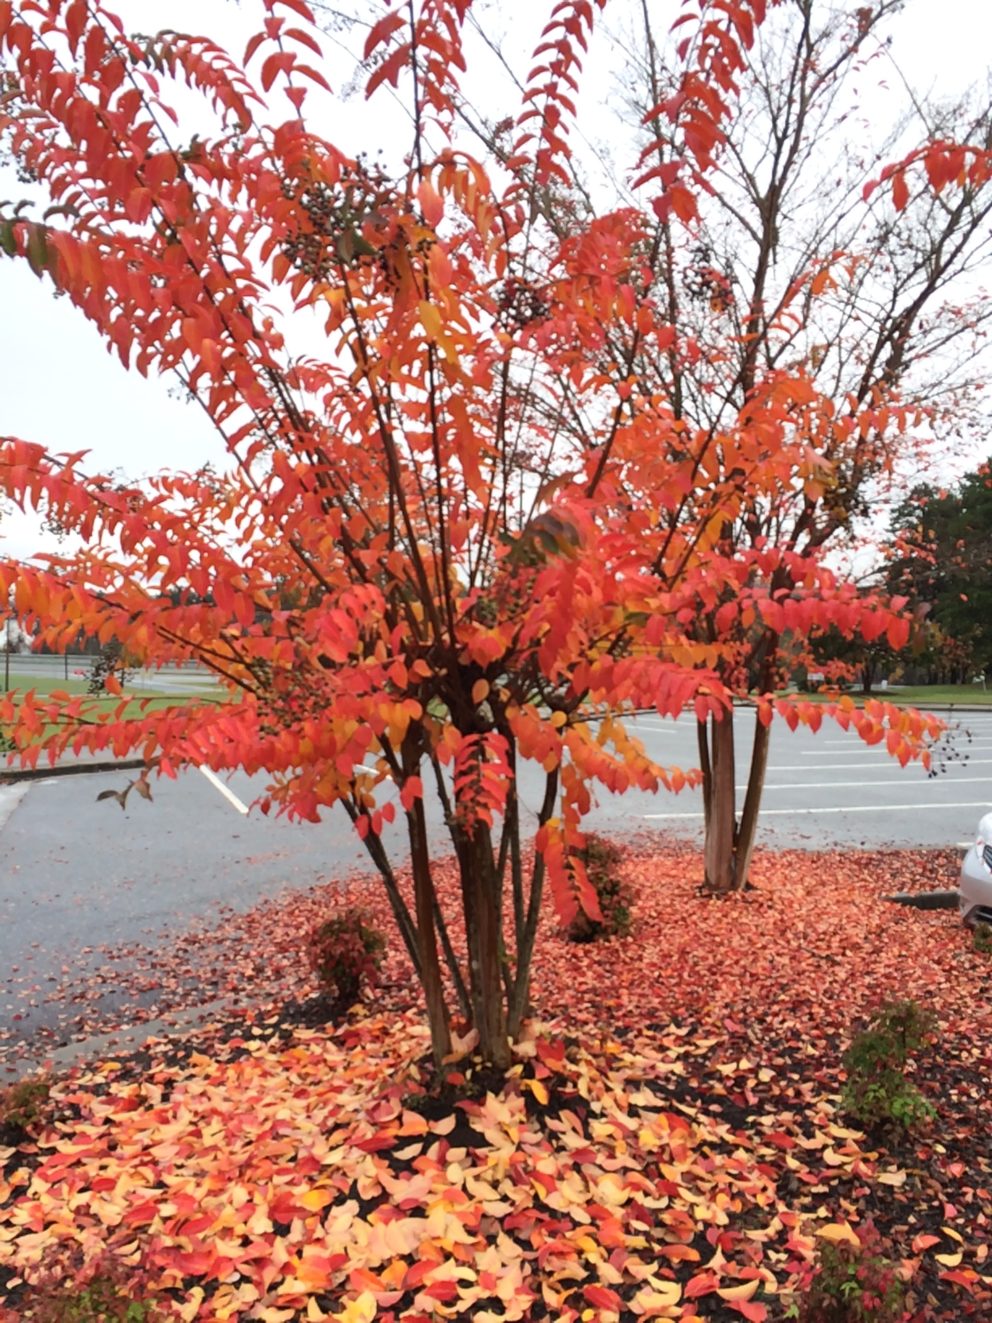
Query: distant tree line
point(940, 558)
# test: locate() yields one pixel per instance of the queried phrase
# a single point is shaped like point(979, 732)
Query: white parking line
point(226, 791)
point(840, 767)
point(848, 740)
point(854, 741)
point(850, 785)
point(839, 753)
point(853, 808)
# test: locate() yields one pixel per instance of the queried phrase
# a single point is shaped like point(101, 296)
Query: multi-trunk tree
point(791, 262)
point(791, 273)
point(481, 524)
point(861, 296)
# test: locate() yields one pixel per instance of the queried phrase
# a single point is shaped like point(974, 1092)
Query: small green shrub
point(853, 1283)
point(602, 862)
point(877, 1091)
point(345, 953)
point(101, 1291)
point(23, 1104)
point(981, 938)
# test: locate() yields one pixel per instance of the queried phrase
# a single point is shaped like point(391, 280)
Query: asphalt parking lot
point(80, 878)
point(830, 789)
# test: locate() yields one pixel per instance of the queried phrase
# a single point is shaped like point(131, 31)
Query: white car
point(975, 885)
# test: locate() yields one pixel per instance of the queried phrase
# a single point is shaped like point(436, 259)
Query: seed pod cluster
point(328, 226)
point(521, 303)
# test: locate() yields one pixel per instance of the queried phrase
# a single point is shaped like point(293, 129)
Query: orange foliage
point(465, 532)
point(669, 1143)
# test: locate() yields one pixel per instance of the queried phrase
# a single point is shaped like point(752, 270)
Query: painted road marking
point(971, 744)
point(854, 808)
point(226, 791)
point(850, 785)
point(848, 740)
point(843, 746)
point(840, 767)
point(839, 753)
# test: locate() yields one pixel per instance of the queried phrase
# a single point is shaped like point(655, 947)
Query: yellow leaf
point(839, 1132)
point(314, 1200)
point(743, 1292)
point(896, 1178)
point(191, 1308)
point(954, 1235)
point(360, 1310)
point(665, 1295)
point(430, 318)
point(949, 1260)
point(538, 1089)
point(835, 1232)
point(834, 1159)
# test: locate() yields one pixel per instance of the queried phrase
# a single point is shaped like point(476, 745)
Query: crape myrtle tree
point(860, 297)
point(473, 530)
point(791, 274)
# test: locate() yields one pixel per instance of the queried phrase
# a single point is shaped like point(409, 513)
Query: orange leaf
point(837, 1232)
point(480, 691)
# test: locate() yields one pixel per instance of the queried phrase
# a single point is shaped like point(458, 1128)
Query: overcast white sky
point(60, 387)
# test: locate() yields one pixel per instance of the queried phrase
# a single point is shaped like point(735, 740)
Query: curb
point(14, 774)
point(126, 1040)
point(977, 708)
point(926, 900)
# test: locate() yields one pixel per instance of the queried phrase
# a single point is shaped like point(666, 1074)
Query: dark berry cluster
point(521, 303)
point(705, 283)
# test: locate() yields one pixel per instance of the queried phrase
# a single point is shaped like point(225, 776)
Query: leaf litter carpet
point(669, 1143)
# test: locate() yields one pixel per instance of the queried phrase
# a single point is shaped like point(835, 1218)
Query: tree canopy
point(941, 556)
point(483, 523)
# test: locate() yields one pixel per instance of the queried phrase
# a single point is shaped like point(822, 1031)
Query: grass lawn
point(97, 705)
point(672, 1142)
point(921, 695)
point(47, 684)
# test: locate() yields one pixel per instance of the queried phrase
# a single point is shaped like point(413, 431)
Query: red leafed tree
point(852, 304)
point(447, 543)
point(795, 274)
